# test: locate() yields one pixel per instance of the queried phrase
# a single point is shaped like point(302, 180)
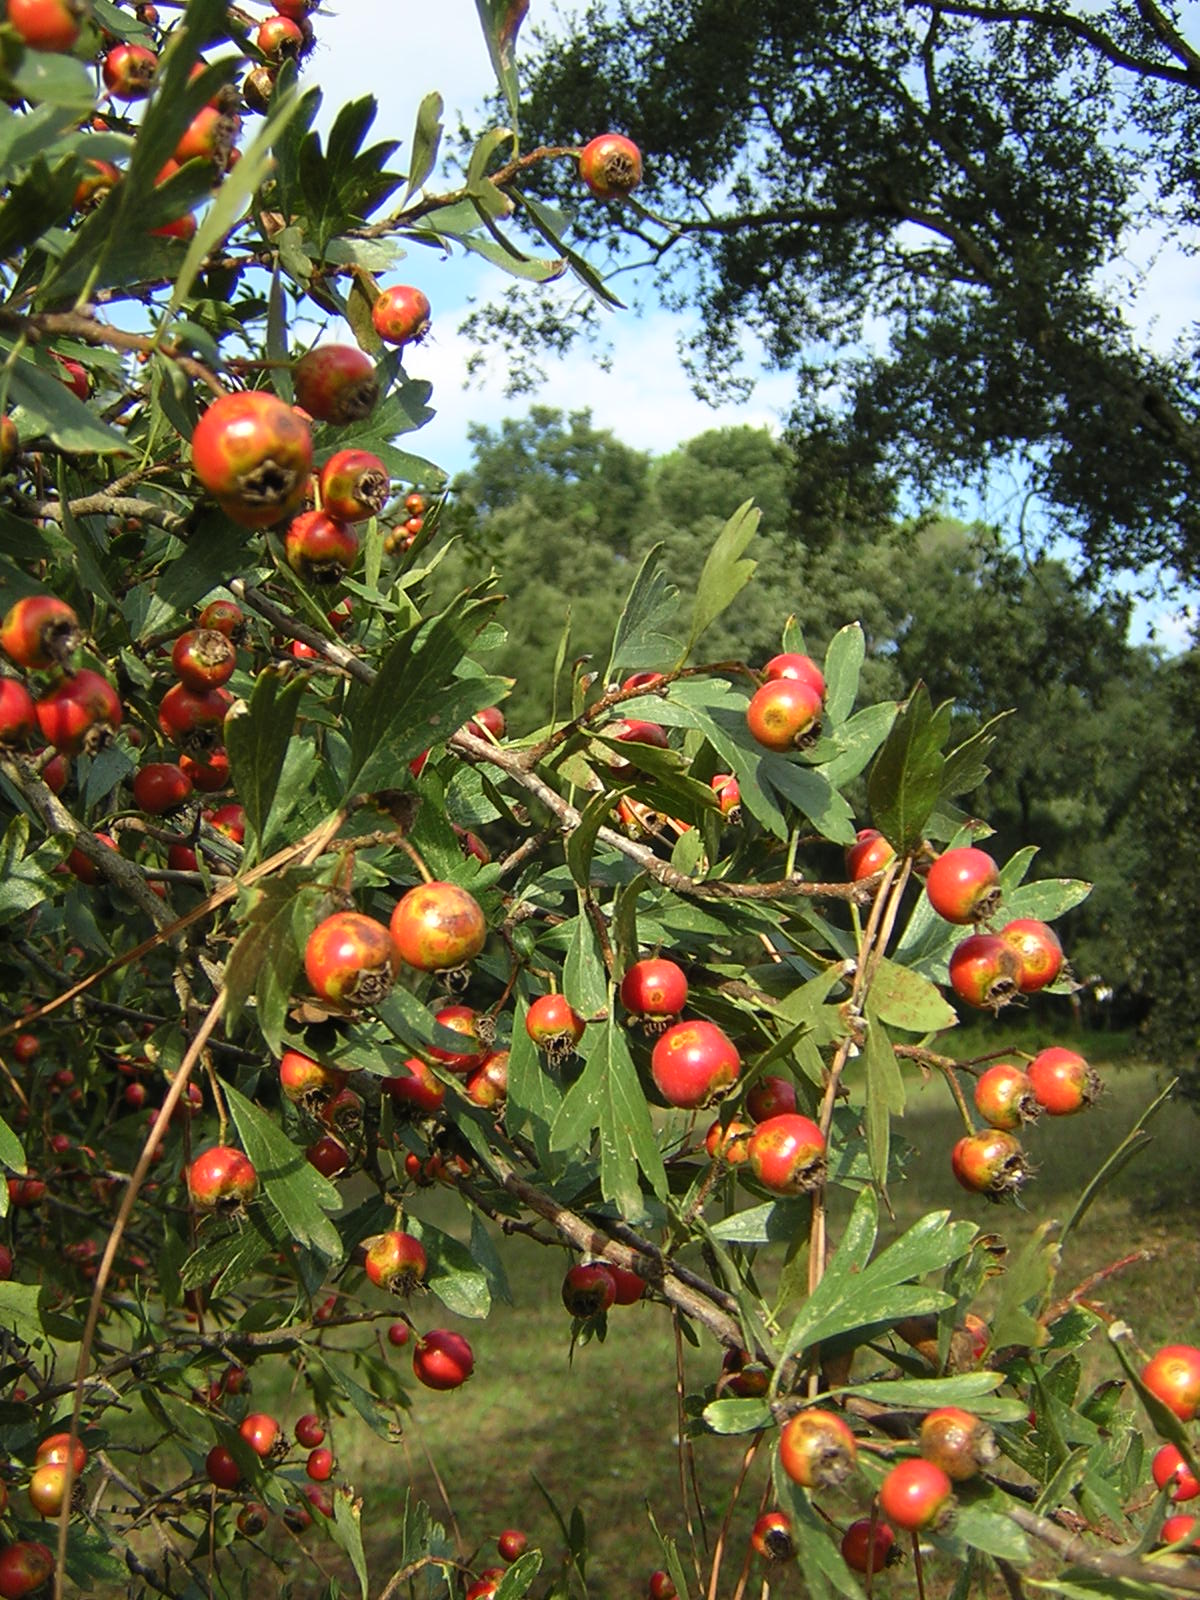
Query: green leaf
point(813, 796)
point(266, 958)
point(551, 227)
point(906, 1000)
point(43, 405)
point(41, 199)
point(454, 1275)
point(777, 1222)
point(976, 1528)
point(534, 1099)
point(516, 1581)
point(885, 1094)
point(426, 140)
point(585, 982)
point(737, 1416)
point(1026, 1283)
point(294, 1187)
point(965, 769)
point(345, 183)
point(350, 1389)
point(257, 741)
point(582, 841)
point(57, 80)
point(641, 639)
point(12, 1155)
point(974, 1390)
point(843, 663)
point(229, 1260)
point(345, 1529)
point(1046, 899)
point(24, 881)
point(843, 752)
point(725, 573)
point(906, 778)
point(609, 1095)
point(501, 21)
point(19, 1311)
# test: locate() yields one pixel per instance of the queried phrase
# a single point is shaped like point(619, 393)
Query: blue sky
point(401, 54)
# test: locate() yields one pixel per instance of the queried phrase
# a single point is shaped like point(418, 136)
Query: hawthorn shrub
point(294, 928)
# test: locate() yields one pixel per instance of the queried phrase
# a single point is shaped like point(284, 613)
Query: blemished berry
point(654, 990)
point(320, 548)
point(254, 454)
point(222, 1179)
point(1063, 1082)
point(348, 959)
point(437, 927)
point(772, 1538)
point(25, 1565)
point(957, 1441)
point(203, 659)
point(1038, 951)
point(336, 383)
point(693, 1063)
point(728, 1143)
point(817, 1449)
point(611, 166)
point(991, 1163)
point(983, 971)
point(963, 885)
point(401, 315)
point(354, 485)
point(917, 1495)
point(786, 1153)
point(306, 1082)
point(39, 631)
point(588, 1289)
point(395, 1261)
point(785, 714)
point(130, 71)
point(1004, 1097)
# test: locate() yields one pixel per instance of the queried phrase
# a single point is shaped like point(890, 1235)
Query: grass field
point(599, 1430)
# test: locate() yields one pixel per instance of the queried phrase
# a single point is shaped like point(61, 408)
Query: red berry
point(438, 926)
point(80, 714)
point(319, 1465)
point(254, 454)
point(348, 959)
point(867, 1548)
point(56, 1448)
point(395, 1261)
point(130, 71)
point(224, 616)
point(329, 1156)
point(319, 548)
point(743, 1376)
point(399, 1333)
point(588, 1289)
point(159, 787)
point(729, 797)
point(18, 716)
point(784, 714)
point(630, 1286)
point(336, 383)
point(306, 1082)
point(694, 1063)
point(661, 1587)
point(252, 1518)
point(280, 38)
point(771, 1097)
point(553, 1024)
point(401, 315)
point(48, 24)
point(729, 1143)
point(1173, 1376)
point(771, 1536)
point(261, 1433)
point(991, 1163)
point(512, 1544)
point(354, 485)
point(210, 136)
point(74, 376)
point(787, 1154)
point(983, 972)
point(221, 1468)
point(799, 667)
point(84, 868)
point(611, 166)
point(917, 1495)
point(489, 1086)
point(209, 771)
point(25, 1046)
point(964, 885)
point(487, 724)
point(869, 856)
point(415, 1087)
point(203, 658)
point(1038, 950)
point(817, 1449)
point(10, 443)
point(463, 1020)
point(222, 1179)
point(47, 1489)
point(1175, 1529)
point(98, 178)
point(1170, 1467)
point(39, 631)
point(958, 1442)
point(195, 721)
point(443, 1359)
point(1004, 1097)
point(655, 990)
point(1063, 1082)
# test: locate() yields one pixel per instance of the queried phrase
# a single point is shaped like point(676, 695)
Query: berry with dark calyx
point(957, 1441)
point(336, 383)
point(868, 1546)
point(588, 1289)
point(991, 1163)
point(472, 845)
point(348, 959)
point(221, 1468)
point(320, 548)
point(25, 1565)
point(1170, 1468)
point(661, 1586)
point(306, 1082)
point(415, 1087)
point(253, 453)
point(917, 1495)
point(252, 1518)
point(693, 1063)
point(655, 991)
point(401, 315)
point(1063, 1082)
point(309, 1431)
point(81, 714)
point(437, 927)
point(343, 1113)
point(203, 658)
point(487, 724)
point(786, 1154)
point(868, 856)
point(229, 820)
point(39, 631)
point(785, 714)
point(771, 1536)
point(328, 1155)
point(74, 375)
point(280, 38)
point(729, 1144)
point(1172, 1375)
point(611, 166)
point(130, 71)
point(224, 616)
point(467, 1022)
point(261, 1432)
point(55, 774)
point(354, 485)
point(729, 796)
point(512, 1544)
point(159, 787)
point(801, 668)
point(488, 1087)
point(771, 1097)
point(963, 885)
point(18, 715)
point(817, 1449)
point(51, 25)
point(210, 136)
point(443, 1359)
point(194, 720)
point(319, 1466)
point(983, 972)
point(222, 1179)
point(395, 1261)
point(1038, 950)
point(1004, 1097)
point(257, 88)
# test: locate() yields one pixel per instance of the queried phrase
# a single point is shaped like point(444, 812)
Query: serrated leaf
point(906, 1000)
point(24, 882)
point(52, 79)
point(501, 21)
point(1027, 1281)
point(1046, 899)
point(294, 1187)
point(426, 141)
point(725, 573)
point(843, 663)
point(641, 639)
point(454, 1275)
point(906, 777)
point(585, 982)
point(43, 405)
point(608, 1096)
point(257, 741)
point(266, 958)
point(345, 1530)
point(228, 1261)
point(582, 840)
point(965, 769)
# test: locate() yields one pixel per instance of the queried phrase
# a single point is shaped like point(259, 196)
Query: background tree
point(962, 183)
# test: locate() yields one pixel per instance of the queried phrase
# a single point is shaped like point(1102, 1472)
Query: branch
point(1070, 1547)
